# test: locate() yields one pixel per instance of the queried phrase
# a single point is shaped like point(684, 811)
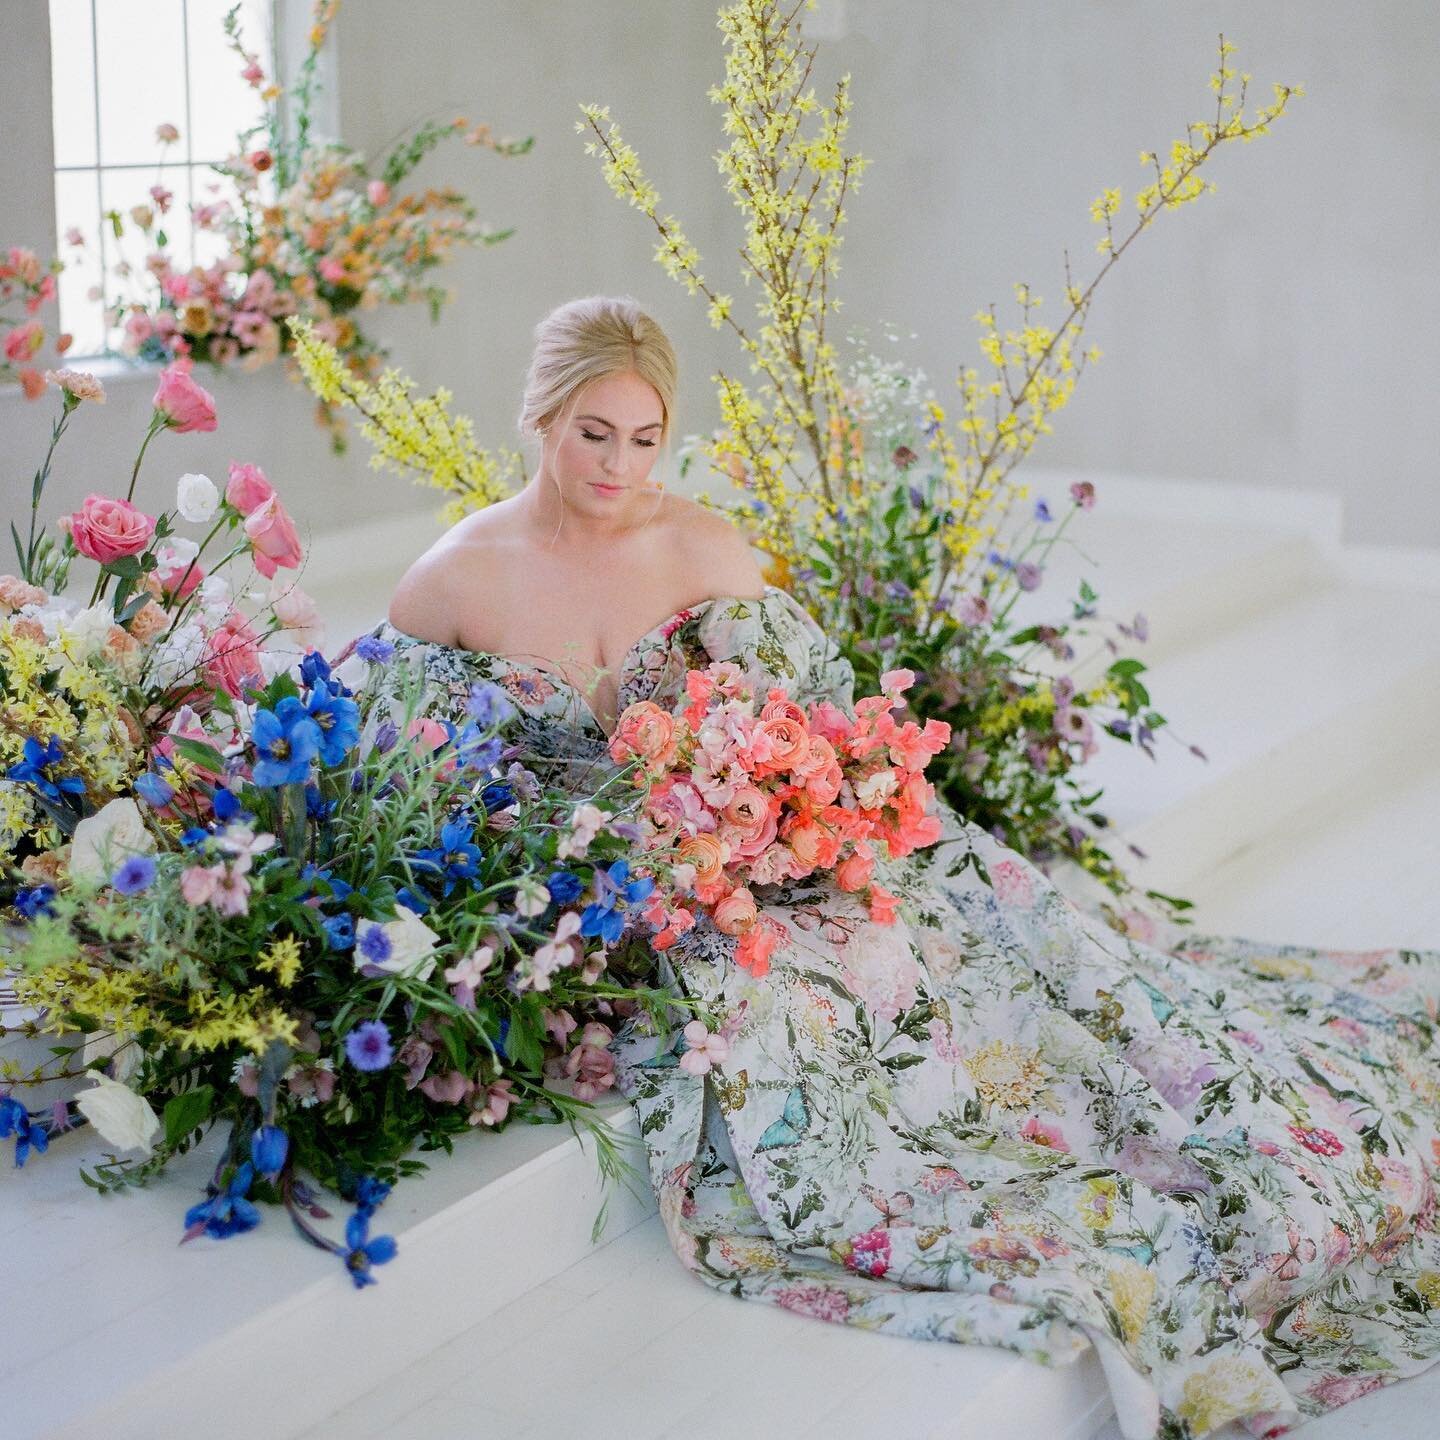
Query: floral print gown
point(1000, 1122)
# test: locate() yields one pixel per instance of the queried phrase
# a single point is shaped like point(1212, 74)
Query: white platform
point(1315, 697)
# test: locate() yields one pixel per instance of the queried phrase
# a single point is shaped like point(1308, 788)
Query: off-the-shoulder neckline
point(689, 612)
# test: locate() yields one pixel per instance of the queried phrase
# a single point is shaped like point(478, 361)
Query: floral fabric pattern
point(1000, 1122)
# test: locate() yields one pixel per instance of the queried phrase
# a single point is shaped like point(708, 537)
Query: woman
point(998, 1123)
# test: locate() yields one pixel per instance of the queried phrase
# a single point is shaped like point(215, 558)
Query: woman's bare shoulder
point(712, 549)
point(439, 588)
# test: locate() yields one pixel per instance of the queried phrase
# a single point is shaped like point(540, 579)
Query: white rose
point(120, 1115)
point(196, 498)
point(412, 942)
point(103, 840)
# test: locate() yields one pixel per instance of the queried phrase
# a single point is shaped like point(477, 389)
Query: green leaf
point(1126, 667)
point(1086, 593)
point(199, 753)
point(186, 1113)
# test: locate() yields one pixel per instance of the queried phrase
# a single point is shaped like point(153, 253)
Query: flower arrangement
point(900, 532)
point(313, 229)
point(748, 796)
point(29, 284)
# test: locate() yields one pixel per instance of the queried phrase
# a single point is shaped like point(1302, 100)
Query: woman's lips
point(605, 489)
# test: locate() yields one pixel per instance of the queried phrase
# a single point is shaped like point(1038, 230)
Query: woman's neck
point(551, 521)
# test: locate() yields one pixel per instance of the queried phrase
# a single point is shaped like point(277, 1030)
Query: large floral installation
point(27, 285)
point(311, 228)
point(245, 888)
point(897, 522)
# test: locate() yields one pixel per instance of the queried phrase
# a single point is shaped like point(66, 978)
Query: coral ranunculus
point(646, 732)
point(273, 537)
point(104, 529)
point(185, 404)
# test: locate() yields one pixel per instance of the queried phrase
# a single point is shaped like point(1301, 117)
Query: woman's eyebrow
point(601, 420)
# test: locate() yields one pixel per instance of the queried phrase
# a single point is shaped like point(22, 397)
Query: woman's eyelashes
point(645, 444)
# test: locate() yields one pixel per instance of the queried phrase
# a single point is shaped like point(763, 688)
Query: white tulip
point(103, 840)
point(120, 1115)
point(196, 498)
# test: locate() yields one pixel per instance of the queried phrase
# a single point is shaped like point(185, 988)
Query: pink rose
point(105, 529)
point(378, 193)
point(248, 488)
point(273, 537)
point(185, 405)
point(736, 913)
point(232, 656)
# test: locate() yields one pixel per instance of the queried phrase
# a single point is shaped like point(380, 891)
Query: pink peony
point(273, 537)
point(106, 530)
point(248, 488)
point(185, 405)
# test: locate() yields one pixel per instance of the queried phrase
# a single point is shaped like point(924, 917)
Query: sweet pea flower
point(704, 1050)
point(183, 404)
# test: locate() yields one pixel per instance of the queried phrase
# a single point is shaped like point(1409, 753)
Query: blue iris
point(455, 858)
point(338, 719)
point(34, 769)
point(364, 1252)
point(229, 1212)
point(286, 739)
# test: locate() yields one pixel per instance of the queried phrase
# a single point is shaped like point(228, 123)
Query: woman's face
point(602, 455)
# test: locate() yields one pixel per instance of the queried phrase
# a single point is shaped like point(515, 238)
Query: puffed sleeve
point(775, 637)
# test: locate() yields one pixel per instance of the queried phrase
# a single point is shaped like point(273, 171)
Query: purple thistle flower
point(136, 873)
point(368, 1046)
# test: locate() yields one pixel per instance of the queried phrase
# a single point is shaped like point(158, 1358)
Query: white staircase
point(1317, 700)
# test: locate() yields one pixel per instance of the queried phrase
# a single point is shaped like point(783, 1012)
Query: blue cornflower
point(31, 903)
point(368, 1046)
point(15, 1120)
point(154, 790)
point(34, 769)
point(374, 649)
point(497, 795)
point(269, 1146)
point(338, 719)
point(1042, 512)
point(455, 858)
point(286, 739)
point(487, 705)
point(605, 917)
point(375, 945)
point(370, 1194)
point(364, 1252)
point(136, 873)
point(564, 887)
point(226, 1213)
point(340, 931)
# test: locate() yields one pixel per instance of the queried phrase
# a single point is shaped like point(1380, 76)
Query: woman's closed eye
point(647, 444)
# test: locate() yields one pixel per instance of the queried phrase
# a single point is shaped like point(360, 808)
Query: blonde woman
point(998, 1122)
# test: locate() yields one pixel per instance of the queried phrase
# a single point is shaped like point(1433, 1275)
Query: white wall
point(1283, 332)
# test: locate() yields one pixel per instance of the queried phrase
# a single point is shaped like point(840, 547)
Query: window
point(120, 69)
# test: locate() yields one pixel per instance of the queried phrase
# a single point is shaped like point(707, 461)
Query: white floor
point(1318, 702)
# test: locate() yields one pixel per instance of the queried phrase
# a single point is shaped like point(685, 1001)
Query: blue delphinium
point(15, 1120)
point(364, 1252)
point(34, 770)
point(338, 719)
point(456, 857)
point(286, 740)
point(226, 1213)
point(564, 887)
point(497, 795)
point(36, 901)
point(269, 1146)
point(605, 916)
point(488, 706)
point(370, 1194)
point(154, 790)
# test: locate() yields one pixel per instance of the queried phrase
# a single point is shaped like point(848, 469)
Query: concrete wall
point(1284, 332)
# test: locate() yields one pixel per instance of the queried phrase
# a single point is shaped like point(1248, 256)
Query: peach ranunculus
point(104, 529)
point(736, 913)
point(273, 538)
point(247, 488)
point(232, 656)
point(748, 808)
point(646, 732)
point(707, 853)
point(185, 404)
point(789, 740)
